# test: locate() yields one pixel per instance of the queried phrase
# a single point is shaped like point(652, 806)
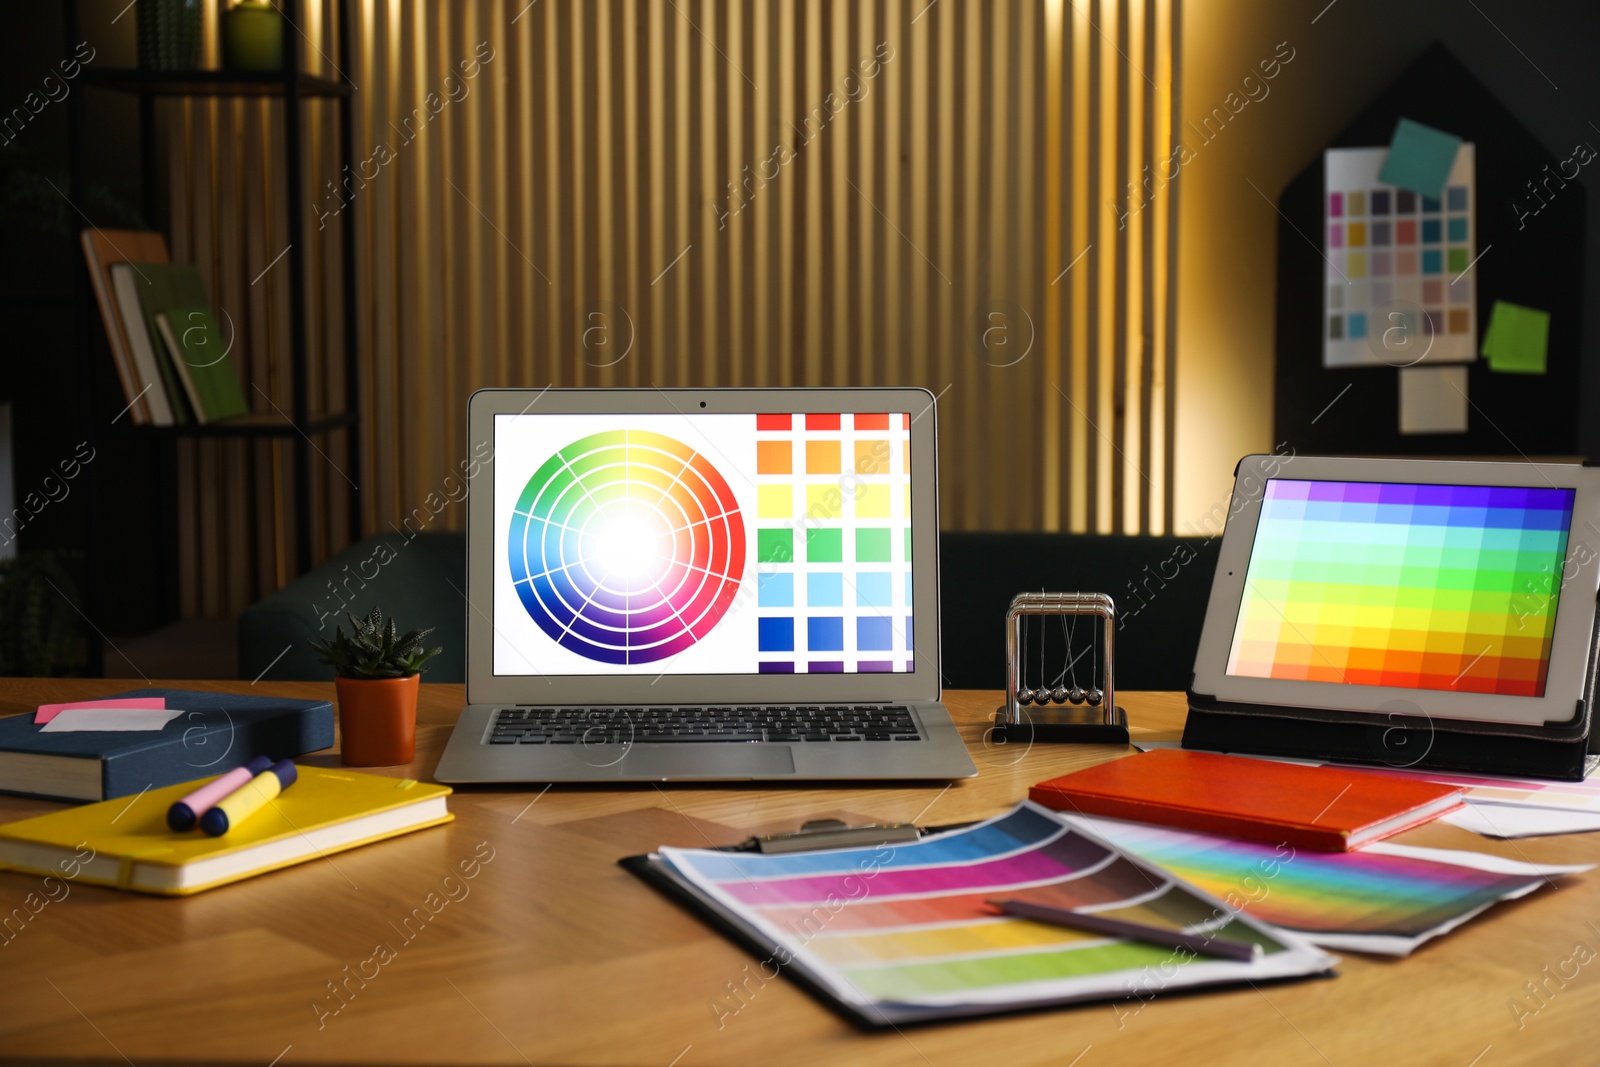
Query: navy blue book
point(215, 733)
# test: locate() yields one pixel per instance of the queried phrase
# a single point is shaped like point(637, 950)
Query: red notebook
point(1329, 808)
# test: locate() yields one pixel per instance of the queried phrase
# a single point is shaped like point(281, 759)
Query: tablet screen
point(1445, 587)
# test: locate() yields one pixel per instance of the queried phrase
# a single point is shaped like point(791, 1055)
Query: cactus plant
point(375, 649)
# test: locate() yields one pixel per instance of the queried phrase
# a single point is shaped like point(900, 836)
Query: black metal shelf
point(296, 423)
point(213, 83)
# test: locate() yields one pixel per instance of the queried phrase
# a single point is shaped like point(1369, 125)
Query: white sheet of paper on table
point(118, 720)
point(1520, 820)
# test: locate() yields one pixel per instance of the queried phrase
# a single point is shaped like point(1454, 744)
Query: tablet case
point(1559, 750)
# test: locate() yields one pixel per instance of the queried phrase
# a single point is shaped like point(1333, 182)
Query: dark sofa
point(1160, 585)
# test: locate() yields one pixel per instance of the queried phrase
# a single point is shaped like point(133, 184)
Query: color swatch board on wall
point(1397, 288)
point(904, 932)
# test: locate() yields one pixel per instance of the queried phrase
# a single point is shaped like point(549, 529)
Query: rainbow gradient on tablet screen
point(627, 546)
point(1446, 587)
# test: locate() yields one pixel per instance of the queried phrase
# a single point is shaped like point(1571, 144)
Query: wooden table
point(555, 955)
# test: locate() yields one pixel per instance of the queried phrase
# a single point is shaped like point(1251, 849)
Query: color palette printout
point(1383, 898)
point(1445, 587)
point(703, 544)
point(1397, 288)
point(905, 931)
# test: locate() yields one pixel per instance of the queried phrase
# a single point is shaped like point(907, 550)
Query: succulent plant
point(375, 649)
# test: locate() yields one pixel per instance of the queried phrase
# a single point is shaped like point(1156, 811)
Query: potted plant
point(376, 674)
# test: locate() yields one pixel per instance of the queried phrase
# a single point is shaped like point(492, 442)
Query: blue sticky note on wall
point(1420, 158)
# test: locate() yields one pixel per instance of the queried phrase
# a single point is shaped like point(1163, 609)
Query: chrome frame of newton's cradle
point(1107, 724)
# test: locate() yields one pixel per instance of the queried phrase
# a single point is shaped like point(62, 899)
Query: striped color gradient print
point(1445, 587)
point(908, 928)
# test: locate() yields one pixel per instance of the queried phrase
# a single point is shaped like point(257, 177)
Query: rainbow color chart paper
point(903, 932)
point(1445, 587)
point(627, 546)
point(1383, 898)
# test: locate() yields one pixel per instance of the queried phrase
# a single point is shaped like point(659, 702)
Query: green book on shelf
point(177, 290)
point(199, 353)
point(161, 286)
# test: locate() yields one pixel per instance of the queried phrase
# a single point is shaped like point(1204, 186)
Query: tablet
point(1448, 588)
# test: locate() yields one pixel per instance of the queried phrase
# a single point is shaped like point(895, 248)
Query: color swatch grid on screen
point(911, 924)
point(626, 546)
point(1448, 587)
point(833, 542)
point(1396, 284)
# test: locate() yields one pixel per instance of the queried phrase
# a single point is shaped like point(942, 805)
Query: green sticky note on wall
point(1420, 158)
point(1517, 339)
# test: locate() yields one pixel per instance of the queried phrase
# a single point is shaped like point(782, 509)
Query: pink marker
point(185, 813)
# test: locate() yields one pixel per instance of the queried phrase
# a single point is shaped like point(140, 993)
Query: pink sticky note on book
point(47, 712)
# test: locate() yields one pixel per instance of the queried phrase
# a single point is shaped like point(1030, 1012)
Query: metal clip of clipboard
point(818, 834)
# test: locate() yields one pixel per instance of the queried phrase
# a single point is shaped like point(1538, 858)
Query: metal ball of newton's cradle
point(1077, 695)
point(1059, 694)
point(1094, 697)
point(1024, 696)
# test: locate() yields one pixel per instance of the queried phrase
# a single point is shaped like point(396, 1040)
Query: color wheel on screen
point(626, 547)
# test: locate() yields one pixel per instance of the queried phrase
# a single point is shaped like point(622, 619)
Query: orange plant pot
point(377, 720)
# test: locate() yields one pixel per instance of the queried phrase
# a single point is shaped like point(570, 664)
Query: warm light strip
point(586, 172)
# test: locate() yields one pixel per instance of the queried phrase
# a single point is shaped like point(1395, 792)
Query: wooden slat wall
point(634, 192)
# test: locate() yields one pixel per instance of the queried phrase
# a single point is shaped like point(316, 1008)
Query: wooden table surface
point(555, 955)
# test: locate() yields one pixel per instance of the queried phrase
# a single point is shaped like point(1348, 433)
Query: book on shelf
point(138, 373)
point(199, 353)
point(171, 375)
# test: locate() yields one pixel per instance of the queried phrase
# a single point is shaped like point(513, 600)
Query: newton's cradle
point(1059, 684)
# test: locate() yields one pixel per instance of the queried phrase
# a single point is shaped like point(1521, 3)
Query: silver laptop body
point(702, 584)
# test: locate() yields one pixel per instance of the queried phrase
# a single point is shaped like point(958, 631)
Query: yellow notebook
point(129, 846)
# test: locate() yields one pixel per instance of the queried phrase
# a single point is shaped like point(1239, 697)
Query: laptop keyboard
point(600, 726)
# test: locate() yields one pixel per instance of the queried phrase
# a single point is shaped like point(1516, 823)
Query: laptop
point(702, 585)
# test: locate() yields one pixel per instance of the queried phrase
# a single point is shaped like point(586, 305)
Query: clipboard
point(813, 835)
point(1055, 843)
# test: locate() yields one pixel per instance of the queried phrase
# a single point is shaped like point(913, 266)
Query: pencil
point(1202, 944)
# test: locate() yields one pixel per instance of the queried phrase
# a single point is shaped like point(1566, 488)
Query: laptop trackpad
point(707, 761)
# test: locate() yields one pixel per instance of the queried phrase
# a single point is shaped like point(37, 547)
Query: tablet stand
point(1400, 738)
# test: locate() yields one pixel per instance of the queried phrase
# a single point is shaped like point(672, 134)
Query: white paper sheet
point(1519, 820)
point(1433, 400)
point(117, 720)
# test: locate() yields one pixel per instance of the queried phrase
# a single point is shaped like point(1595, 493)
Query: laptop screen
point(702, 544)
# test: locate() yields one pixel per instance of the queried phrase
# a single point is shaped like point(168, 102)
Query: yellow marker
point(249, 798)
